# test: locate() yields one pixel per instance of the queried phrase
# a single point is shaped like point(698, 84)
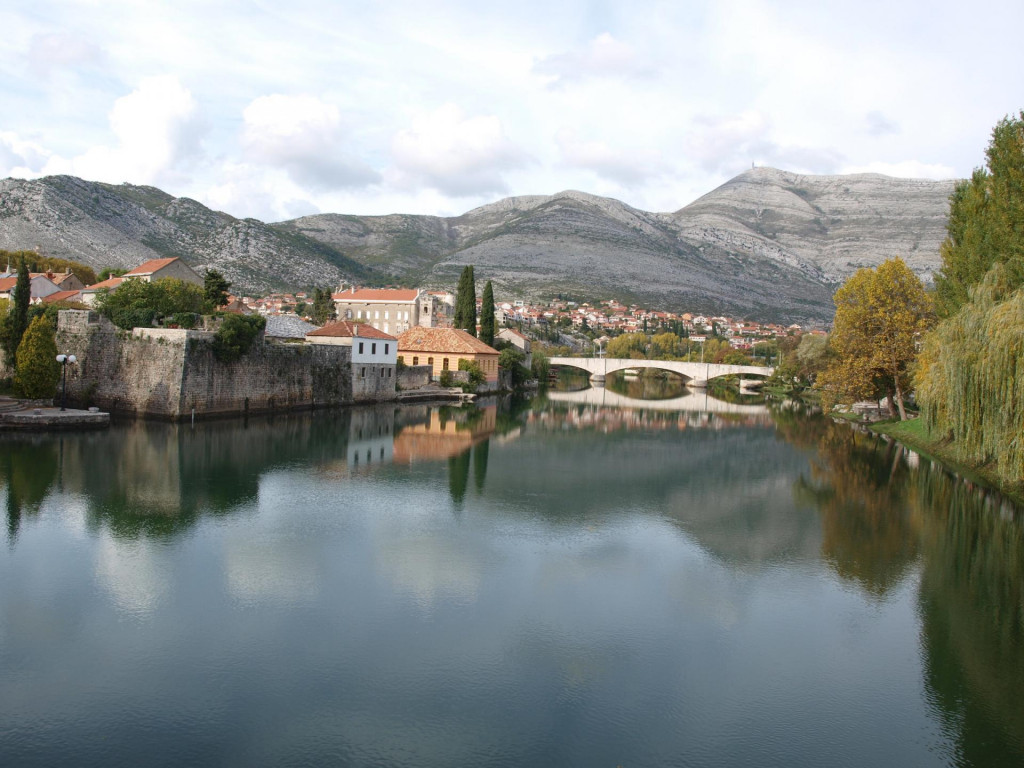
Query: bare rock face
point(768, 244)
point(105, 225)
point(837, 224)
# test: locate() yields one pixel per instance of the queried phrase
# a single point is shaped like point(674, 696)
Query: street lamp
point(64, 360)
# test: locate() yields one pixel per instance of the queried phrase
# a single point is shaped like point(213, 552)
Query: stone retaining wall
point(165, 373)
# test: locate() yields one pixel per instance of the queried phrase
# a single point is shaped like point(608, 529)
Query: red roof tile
point(62, 296)
point(151, 266)
point(378, 294)
point(348, 329)
point(450, 340)
point(111, 282)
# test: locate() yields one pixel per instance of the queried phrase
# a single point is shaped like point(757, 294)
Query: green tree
point(215, 288)
point(986, 221)
point(236, 336)
point(811, 357)
point(323, 306)
point(666, 346)
point(137, 303)
point(37, 371)
point(15, 322)
point(628, 345)
point(511, 359)
point(465, 302)
point(487, 316)
point(108, 272)
point(880, 317)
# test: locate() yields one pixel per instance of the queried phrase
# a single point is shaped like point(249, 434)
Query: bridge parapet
point(697, 374)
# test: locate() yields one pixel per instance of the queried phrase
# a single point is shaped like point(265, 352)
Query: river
point(530, 582)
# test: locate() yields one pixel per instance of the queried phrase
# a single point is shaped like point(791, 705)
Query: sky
point(276, 110)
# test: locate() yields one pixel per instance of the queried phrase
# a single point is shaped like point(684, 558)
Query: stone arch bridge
point(697, 375)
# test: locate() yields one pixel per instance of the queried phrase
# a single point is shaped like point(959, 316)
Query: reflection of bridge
point(697, 374)
point(702, 403)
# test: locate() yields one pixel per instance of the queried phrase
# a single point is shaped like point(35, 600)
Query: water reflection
point(689, 401)
point(858, 483)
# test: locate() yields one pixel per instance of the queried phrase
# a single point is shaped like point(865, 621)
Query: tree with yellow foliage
point(880, 316)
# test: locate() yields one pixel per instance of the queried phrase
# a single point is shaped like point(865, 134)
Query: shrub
point(37, 371)
point(476, 374)
point(235, 336)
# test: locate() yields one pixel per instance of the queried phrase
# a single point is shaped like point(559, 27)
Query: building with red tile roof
point(392, 310)
point(443, 348)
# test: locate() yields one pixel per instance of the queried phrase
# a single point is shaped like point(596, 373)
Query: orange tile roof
point(7, 283)
point(62, 296)
point(150, 267)
point(377, 294)
point(111, 282)
point(347, 329)
point(452, 340)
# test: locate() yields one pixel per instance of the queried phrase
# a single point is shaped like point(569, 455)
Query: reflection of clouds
point(430, 568)
point(132, 573)
point(269, 569)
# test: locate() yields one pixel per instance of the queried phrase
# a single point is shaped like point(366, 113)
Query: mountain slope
point(105, 225)
point(767, 244)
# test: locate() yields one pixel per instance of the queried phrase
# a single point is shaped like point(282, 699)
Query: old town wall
point(172, 373)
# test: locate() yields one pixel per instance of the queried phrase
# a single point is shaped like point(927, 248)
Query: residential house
point(39, 286)
point(519, 341)
point(156, 269)
point(374, 356)
point(443, 348)
point(391, 310)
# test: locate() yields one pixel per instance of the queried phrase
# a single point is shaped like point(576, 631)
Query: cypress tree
point(487, 316)
point(465, 302)
point(16, 321)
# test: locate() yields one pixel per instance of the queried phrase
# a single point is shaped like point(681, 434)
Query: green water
point(523, 583)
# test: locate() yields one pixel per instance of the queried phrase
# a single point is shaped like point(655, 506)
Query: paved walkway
point(29, 416)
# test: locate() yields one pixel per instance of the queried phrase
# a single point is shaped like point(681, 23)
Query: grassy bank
point(915, 435)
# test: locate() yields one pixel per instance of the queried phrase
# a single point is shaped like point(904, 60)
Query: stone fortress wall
point(171, 373)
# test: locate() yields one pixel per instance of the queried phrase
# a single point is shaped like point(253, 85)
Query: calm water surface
point(558, 583)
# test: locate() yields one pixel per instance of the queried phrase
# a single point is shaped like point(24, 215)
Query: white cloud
point(455, 154)
point(604, 56)
point(19, 157)
point(52, 51)
point(304, 136)
point(626, 168)
point(158, 129)
point(880, 125)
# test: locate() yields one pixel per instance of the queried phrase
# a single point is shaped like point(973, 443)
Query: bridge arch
point(696, 374)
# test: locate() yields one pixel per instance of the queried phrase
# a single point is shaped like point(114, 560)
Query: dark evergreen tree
point(487, 316)
point(465, 302)
point(323, 306)
point(16, 321)
point(215, 288)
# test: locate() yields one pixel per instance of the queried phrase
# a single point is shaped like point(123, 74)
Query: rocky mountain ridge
point(767, 244)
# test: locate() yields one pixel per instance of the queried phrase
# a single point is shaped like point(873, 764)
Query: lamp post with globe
point(64, 360)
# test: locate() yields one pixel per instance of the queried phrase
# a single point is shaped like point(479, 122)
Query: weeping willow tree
point(970, 379)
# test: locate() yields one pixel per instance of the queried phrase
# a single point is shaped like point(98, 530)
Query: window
point(430, 362)
point(359, 314)
point(386, 314)
point(387, 349)
point(348, 314)
point(389, 373)
point(382, 373)
point(415, 361)
point(445, 366)
point(373, 348)
point(376, 315)
point(362, 373)
point(360, 347)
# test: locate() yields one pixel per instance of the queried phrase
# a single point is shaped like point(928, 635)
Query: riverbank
point(914, 434)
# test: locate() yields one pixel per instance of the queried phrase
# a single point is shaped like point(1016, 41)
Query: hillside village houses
point(156, 269)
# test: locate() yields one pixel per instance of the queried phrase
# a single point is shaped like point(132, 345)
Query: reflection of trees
point(647, 386)
point(28, 466)
point(972, 609)
point(458, 476)
point(147, 479)
point(857, 483)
